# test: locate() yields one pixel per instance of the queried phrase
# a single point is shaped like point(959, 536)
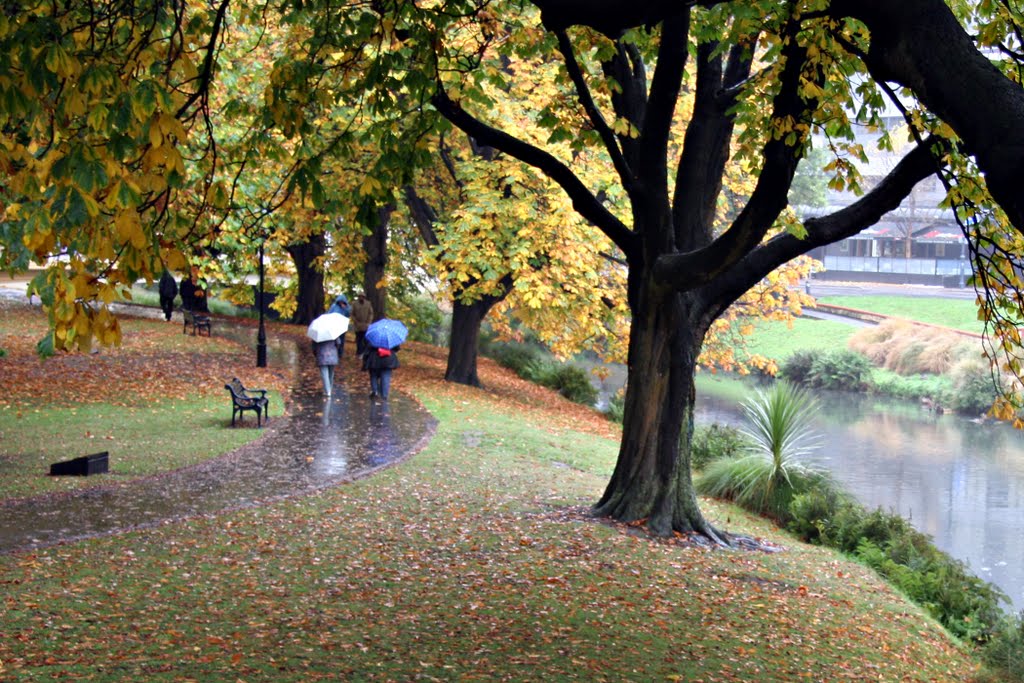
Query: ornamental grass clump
point(766, 477)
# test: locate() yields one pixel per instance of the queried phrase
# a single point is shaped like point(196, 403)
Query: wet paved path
point(324, 442)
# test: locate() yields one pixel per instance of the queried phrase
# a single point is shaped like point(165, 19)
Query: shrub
point(910, 349)
point(812, 513)
point(713, 443)
point(937, 388)
point(532, 364)
point(797, 368)
point(840, 369)
point(964, 604)
point(616, 407)
point(570, 381)
point(974, 387)
point(1004, 653)
point(424, 319)
point(519, 358)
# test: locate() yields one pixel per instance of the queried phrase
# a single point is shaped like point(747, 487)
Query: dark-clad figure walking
point(193, 294)
point(379, 363)
point(168, 290)
point(362, 316)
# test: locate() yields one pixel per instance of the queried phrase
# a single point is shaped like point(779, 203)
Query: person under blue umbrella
point(380, 362)
point(382, 341)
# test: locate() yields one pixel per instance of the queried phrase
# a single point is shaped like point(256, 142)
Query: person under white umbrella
point(324, 331)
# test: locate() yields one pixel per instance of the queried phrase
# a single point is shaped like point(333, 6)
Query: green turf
point(140, 440)
point(959, 314)
point(474, 560)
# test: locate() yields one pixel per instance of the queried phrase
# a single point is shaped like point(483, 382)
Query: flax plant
point(766, 477)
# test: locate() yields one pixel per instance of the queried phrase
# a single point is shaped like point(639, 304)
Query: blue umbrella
point(386, 333)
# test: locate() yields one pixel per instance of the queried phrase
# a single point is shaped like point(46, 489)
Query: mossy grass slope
point(472, 560)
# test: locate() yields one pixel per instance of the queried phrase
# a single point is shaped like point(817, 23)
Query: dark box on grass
point(97, 463)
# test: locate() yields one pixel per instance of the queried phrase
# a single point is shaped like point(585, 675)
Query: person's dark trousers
point(360, 342)
point(168, 306)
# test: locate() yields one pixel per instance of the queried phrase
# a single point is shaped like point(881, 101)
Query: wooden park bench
point(244, 399)
point(197, 321)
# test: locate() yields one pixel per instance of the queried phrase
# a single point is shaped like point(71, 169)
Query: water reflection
point(960, 482)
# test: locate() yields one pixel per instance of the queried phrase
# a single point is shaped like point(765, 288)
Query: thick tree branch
point(705, 149)
point(583, 200)
point(921, 45)
point(629, 99)
point(917, 165)
point(688, 270)
point(423, 215)
point(611, 144)
point(665, 86)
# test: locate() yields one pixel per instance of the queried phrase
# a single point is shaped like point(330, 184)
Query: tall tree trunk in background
point(465, 336)
point(310, 298)
point(467, 318)
point(376, 247)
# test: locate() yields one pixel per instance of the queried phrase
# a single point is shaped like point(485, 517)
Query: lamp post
point(261, 336)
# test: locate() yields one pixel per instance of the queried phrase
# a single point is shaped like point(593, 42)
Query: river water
point(960, 482)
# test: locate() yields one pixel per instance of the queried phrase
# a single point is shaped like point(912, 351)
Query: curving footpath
point(322, 442)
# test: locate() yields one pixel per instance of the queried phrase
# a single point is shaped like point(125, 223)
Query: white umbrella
point(327, 327)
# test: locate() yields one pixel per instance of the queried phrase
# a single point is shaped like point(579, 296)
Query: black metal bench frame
point(241, 400)
point(198, 322)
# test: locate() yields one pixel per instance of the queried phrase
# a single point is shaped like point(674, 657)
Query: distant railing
point(889, 264)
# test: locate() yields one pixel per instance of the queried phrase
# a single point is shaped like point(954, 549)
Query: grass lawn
point(473, 560)
point(959, 314)
point(778, 340)
point(133, 401)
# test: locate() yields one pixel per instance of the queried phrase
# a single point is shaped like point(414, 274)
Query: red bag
point(383, 353)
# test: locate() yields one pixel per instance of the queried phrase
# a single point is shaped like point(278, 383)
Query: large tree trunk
point(465, 335)
point(652, 478)
point(465, 338)
point(310, 298)
point(376, 246)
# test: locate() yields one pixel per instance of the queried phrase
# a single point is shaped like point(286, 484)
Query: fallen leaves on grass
point(154, 362)
point(454, 566)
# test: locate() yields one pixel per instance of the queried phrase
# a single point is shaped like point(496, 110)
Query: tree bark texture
point(652, 479)
point(376, 247)
point(310, 297)
point(464, 344)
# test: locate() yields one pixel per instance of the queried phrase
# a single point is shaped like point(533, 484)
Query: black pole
point(261, 337)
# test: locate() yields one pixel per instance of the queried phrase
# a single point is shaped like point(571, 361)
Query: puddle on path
point(325, 442)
